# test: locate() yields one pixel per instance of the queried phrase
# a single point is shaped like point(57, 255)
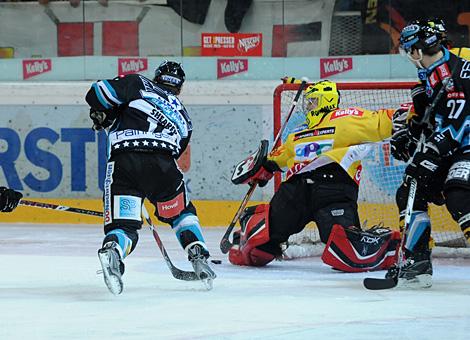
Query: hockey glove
point(424, 168)
point(403, 145)
point(101, 120)
point(9, 199)
point(264, 173)
point(400, 117)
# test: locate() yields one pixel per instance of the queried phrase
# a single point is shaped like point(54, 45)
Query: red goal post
point(382, 174)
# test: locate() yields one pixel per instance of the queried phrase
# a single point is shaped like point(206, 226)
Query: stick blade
point(379, 284)
point(225, 245)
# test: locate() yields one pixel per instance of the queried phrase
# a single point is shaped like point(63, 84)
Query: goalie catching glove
point(256, 168)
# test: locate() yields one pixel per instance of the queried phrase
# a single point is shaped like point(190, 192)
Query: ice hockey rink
point(49, 289)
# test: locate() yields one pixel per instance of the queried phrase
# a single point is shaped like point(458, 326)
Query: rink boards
point(211, 213)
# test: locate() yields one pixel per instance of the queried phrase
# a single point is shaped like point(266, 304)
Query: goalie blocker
point(348, 249)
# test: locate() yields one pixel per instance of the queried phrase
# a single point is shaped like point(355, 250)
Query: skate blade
point(113, 282)
point(208, 282)
point(420, 281)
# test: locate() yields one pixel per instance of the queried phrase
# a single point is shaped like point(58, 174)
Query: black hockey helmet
point(170, 74)
point(419, 34)
point(441, 30)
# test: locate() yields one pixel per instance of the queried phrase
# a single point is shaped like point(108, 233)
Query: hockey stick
point(225, 243)
point(387, 283)
point(176, 272)
point(61, 208)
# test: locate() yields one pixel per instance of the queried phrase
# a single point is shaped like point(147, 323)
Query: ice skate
point(112, 266)
point(416, 271)
point(198, 258)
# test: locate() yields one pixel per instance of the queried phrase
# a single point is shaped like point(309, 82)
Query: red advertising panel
point(232, 44)
point(131, 65)
point(34, 67)
point(229, 67)
point(120, 38)
point(332, 66)
point(73, 38)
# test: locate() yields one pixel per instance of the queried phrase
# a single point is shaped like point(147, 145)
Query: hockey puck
point(216, 261)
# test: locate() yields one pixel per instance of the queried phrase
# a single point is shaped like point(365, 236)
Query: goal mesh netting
point(381, 173)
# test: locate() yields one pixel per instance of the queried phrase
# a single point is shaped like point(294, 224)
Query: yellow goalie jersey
point(342, 136)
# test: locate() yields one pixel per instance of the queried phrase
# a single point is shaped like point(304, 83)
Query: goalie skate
point(112, 267)
point(198, 258)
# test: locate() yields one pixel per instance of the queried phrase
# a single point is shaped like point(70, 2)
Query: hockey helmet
point(420, 35)
point(170, 74)
point(319, 99)
point(441, 30)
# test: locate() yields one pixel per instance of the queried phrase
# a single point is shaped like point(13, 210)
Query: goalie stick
point(176, 272)
point(388, 283)
point(225, 243)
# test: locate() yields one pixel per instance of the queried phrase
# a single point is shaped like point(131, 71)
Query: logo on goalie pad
point(370, 239)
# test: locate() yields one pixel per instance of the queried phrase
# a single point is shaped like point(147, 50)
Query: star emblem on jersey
point(136, 143)
point(145, 143)
point(126, 144)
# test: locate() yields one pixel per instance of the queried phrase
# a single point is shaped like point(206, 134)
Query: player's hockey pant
point(133, 176)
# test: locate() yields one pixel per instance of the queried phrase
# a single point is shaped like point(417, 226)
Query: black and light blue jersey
point(147, 117)
point(451, 113)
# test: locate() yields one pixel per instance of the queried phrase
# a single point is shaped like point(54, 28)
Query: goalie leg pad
point(353, 250)
point(254, 233)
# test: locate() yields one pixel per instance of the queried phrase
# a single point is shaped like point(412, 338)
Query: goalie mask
point(170, 74)
point(319, 99)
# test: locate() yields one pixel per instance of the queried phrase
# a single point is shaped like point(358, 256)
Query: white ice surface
point(49, 290)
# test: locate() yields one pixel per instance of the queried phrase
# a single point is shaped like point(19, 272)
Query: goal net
point(381, 173)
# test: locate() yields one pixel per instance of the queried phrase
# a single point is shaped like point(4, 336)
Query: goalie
point(323, 161)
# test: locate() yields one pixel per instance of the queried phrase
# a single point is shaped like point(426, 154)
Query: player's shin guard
point(189, 233)
point(254, 232)
point(353, 250)
point(123, 241)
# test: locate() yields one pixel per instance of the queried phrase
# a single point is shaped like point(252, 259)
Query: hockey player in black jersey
point(9, 199)
point(148, 130)
point(441, 164)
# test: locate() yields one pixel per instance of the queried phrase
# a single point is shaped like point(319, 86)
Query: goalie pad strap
point(352, 250)
point(254, 232)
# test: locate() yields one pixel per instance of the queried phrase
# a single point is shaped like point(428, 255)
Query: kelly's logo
point(131, 65)
point(34, 67)
point(332, 66)
point(229, 67)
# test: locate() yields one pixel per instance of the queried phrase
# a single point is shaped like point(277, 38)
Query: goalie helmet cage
point(381, 174)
